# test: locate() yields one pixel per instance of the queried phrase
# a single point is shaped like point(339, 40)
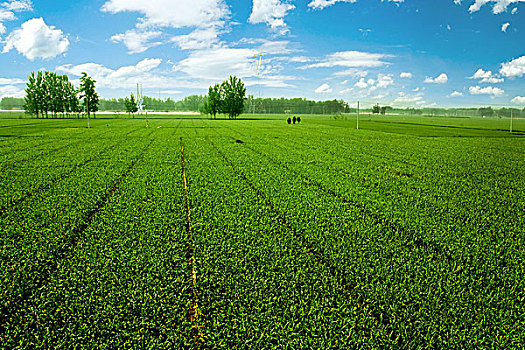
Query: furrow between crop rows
point(50, 263)
point(382, 320)
point(54, 180)
point(410, 238)
point(194, 313)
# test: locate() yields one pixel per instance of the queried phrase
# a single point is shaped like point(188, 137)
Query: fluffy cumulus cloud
point(499, 6)
point(514, 68)
point(350, 59)
point(321, 4)
point(123, 77)
point(383, 81)
point(35, 39)
point(323, 89)
point(405, 75)
point(518, 100)
point(456, 94)
point(206, 18)
point(488, 90)
point(505, 26)
point(486, 77)
point(271, 12)
point(440, 79)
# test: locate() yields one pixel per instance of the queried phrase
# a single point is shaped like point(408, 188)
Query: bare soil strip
point(194, 313)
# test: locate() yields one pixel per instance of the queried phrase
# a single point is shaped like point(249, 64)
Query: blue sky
point(402, 53)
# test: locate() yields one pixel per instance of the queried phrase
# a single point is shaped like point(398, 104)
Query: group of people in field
point(294, 120)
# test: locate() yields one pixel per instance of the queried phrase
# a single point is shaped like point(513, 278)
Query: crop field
point(408, 233)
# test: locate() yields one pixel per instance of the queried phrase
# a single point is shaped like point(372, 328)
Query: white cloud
point(481, 74)
point(11, 91)
point(169, 13)
point(504, 27)
point(440, 79)
point(137, 41)
point(514, 68)
point(498, 7)
point(271, 12)
point(321, 4)
point(299, 59)
point(408, 99)
point(352, 72)
point(8, 9)
point(405, 75)
point(457, 2)
point(455, 94)
point(488, 90)
point(518, 100)
point(17, 5)
point(123, 77)
point(201, 38)
point(274, 47)
point(35, 39)
point(362, 84)
point(207, 17)
point(8, 81)
point(218, 63)
point(514, 10)
point(170, 92)
point(383, 81)
point(352, 59)
point(323, 89)
point(486, 77)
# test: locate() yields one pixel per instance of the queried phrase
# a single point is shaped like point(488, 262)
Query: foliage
point(48, 92)
point(233, 94)
point(303, 237)
point(131, 104)
point(10, 103)
point(213, 104)
point(88, 95)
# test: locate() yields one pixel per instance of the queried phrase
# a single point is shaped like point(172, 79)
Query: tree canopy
point(227, 98)
point(88, 94)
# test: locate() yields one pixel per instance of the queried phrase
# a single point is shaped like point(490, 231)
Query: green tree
point(31, 105)
point(214, 100)
point(376, 109)
point(88, 94)
point(232, 97)
point(131, 105)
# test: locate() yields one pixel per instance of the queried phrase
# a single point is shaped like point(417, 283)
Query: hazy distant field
point(407, 233)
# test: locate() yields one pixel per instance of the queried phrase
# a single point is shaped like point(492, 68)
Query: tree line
point(50, 93)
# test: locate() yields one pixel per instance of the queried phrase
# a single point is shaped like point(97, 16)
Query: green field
point(407, 233)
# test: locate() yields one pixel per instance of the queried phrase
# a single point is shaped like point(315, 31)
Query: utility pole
point(357, 115)
point(511, 120)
